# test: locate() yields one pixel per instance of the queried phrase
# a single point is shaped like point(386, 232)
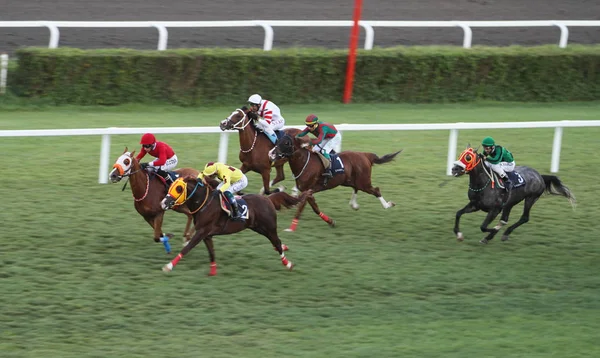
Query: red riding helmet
point(148, 139)
point(311, 119)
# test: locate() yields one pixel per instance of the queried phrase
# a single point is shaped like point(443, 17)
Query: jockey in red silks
point(166, 159)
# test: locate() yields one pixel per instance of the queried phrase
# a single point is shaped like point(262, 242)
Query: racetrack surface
point(188, 10)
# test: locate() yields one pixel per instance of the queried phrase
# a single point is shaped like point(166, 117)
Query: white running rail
point(224, 141)
point(267, 25)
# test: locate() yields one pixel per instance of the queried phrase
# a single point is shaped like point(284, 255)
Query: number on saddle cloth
point(241, 203)
point(516, 179)
point(337, 166)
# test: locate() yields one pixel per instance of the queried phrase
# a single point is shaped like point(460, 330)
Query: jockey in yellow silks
point(232, 181)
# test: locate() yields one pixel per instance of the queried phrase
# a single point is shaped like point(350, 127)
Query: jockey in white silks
point(269, 119)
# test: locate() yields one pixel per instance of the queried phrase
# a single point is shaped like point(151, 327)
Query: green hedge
point(225, 76)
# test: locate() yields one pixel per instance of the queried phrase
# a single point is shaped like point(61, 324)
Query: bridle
point(241, 125)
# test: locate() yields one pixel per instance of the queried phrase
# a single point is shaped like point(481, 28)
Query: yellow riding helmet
point(210, 168)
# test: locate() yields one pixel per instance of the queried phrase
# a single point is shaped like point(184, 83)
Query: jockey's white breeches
point(328, 144)
point(237, 186)
point(270, 128)
point(170, 164)
point(502, 167)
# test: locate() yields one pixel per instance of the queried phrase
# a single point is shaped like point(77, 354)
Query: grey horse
point(486, 194)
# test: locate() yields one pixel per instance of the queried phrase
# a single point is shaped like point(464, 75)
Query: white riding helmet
point(255, 99)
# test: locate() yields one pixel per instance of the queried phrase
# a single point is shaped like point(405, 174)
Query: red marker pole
point(352, 53)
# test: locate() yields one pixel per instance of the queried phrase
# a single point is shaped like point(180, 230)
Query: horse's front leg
point(469, 208)
point(313, 204)
point(266, 174)
point(198, 236)
point(484, 226)
point(156, 223)
point(187, 233)
point(211, 254)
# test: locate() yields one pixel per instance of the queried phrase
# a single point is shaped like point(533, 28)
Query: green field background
point(80, 274)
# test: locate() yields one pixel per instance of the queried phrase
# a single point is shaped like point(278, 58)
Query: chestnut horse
point(210, 219)
point(308, 169)
point(148, 190)
point(255, 146)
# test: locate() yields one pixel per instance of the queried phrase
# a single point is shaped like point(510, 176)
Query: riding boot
point(235, 211)
point(327, 172)
point(165, 175)
point(507, 183)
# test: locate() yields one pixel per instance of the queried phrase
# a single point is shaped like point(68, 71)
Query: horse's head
point(238, 119)
point(179, 192)
point(283, 149)
point(122, 166)
point(467, 161)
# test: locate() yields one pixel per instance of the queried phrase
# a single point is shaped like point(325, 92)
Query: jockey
point(499, 159)
point(232, 180)
point(270, 118)
point(166, 157)
point(327, 139)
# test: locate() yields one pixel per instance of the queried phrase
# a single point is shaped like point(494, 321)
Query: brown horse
point(148, 190)
point(308, 169)
point(254, 147)
point(210, 219)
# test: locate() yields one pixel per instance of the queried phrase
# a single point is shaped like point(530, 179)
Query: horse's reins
point(488, 174)
point(304, 167)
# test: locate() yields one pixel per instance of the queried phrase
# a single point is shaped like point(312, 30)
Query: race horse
point(352, 169)
point(255, 146)
point(148, 191)
point(212, 216)
point(487, 193)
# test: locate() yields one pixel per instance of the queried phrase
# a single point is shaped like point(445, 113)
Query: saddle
point(241, 204)
point(337, 166)
point(516, 179)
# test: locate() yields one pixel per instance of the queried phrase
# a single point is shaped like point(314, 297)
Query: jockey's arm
point(226, 182)
point(319, 139)
point(162, 158)
point(304, 132)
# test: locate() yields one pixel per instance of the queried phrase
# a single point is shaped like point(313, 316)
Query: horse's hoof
point(483, 241)
point(332, 223)
point(289, 230)
point(504, 237)
point(460, 236)
point(289, 266)
point(391, 204)
point(168, 267)
point(355, 207)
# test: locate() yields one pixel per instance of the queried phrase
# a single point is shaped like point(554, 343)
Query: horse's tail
point(386, 158)
point(555, 187)
point(283, 199)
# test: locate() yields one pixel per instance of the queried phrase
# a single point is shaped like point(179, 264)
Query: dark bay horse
point(484, 193)
point(308, 169)
point(211, 220)
point(148, 191)
point(255, 146)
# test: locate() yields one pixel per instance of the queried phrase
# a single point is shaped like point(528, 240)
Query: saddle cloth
point(516, 179)
point(241, 203)
point(337, 166)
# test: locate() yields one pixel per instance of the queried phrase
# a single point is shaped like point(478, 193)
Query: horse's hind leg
point(375, 191)
point(524, 217)
point(484, 225)
point(353, 202)
point(271, 234)
point(313, 204)
point(469, 208)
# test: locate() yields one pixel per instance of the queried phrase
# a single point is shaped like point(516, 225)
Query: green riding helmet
point(488, 142)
